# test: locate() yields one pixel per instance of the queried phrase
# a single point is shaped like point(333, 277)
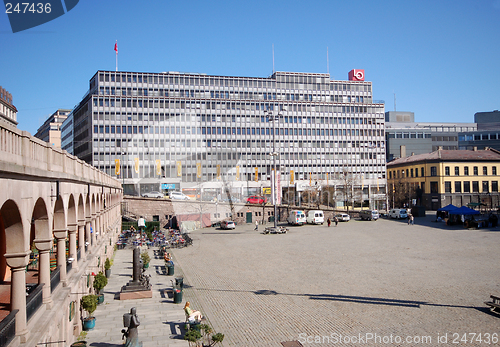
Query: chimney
point(402, 151)
point(474, 148)
point(440, 148)
point(412, 154)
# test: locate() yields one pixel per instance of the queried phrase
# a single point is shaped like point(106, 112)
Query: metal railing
point(33, 301)
point(8, 328)
point(55, 278)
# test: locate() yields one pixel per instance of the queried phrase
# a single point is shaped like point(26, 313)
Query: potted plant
point(107, 267)
point(193, 336)
point(145, 259)
point(100, 281)
point(89, 304)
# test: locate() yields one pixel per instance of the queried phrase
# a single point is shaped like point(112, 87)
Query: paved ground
point(423, 284)
point(162, 321)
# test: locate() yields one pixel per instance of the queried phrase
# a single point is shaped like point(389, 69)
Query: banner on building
point(178, 163)
point(218, 171)
point(117, 167)
point(292, 177)
point(158, 167)
point(237, 172)
point(256, 178)
point(198, 170)
point(136, 165)
point(278, 187)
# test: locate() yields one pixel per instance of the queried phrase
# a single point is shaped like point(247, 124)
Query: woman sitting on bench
point(192, 315)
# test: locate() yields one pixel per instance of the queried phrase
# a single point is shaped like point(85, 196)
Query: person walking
point(256, 226)
point(412, 219)
point(409, 218)
point(336, 221)
point(328, 221)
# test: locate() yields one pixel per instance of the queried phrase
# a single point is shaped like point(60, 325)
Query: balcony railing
point(33, 301)
point(8, 328)
point(55, 278)
point(69, 266)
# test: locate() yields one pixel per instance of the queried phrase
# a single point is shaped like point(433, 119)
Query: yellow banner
point(198, 170)
point(327, 178)
point(237, 172)
point(266, 191)
point(158, 167)
point(179, 168)
point(292, 177)
point(218, 171)
point(117, 167)
point(256, 174)
point(136, 165)
point(310, 178)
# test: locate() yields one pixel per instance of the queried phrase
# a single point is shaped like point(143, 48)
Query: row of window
point(467, 187)
point(221, 105)
point(479, 137)
point(129, 129)
point(305, 81)
point(414, 172)
point(176, 117)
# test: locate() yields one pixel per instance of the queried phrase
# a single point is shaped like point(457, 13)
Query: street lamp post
point(274, 119)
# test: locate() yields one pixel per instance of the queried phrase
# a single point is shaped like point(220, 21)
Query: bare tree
point(348, 181)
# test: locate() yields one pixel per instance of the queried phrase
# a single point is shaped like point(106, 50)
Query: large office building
point(182, 131)
point(8, 112)
point(405, 137)
point(487, 134)
point(50, 131)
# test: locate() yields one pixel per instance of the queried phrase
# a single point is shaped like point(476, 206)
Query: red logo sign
point(357, 75)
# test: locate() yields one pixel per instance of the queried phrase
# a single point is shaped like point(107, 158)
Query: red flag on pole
point(116, 47)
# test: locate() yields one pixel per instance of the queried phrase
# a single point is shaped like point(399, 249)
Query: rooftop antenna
point(394, 102)
point(273, 58)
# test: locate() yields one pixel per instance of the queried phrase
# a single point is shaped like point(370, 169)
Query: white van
point(297, 217)
point(369, 214)
point(315, 217)
point(398, 213)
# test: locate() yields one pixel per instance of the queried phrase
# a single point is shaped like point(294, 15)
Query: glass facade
point(183, 129)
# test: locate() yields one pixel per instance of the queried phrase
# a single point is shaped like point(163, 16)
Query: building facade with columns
point(59, 217)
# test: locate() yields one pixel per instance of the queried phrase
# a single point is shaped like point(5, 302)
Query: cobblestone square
point(362, 282)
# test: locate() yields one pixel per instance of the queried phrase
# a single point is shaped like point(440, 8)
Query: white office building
point(211, 135)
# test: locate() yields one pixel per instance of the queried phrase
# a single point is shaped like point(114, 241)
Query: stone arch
point(59, 219)
point(11, 235)
point(40, 221)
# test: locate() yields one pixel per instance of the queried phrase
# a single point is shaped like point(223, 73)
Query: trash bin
point(177, 295)
point(79, 344)
point(179, 282)
point(170, 268)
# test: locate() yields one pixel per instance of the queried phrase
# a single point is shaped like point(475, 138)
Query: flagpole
point(116, 51)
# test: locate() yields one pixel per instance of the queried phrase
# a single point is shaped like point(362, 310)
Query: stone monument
point(139, 287)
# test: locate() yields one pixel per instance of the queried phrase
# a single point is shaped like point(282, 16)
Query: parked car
point(343, 217)
point(255, 199)
point(227, 224)
point(398, 213)
point(157, 195)
point(369, 214)
point(315, 217)
point(178, 196)
point(297, 217)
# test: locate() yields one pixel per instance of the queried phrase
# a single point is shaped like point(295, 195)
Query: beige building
point(50, 131)
point(8, 112)
point(443, 177)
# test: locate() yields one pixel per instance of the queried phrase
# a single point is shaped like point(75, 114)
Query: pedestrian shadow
point(177, 330)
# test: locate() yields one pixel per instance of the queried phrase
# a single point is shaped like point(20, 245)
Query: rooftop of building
point(488, 154)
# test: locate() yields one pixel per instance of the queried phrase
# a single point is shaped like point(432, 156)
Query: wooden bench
point(494, 304)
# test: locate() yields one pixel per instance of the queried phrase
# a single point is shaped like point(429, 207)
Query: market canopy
point(448, 208)
point(464, 210)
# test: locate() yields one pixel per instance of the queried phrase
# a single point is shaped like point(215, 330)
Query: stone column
point(17, 263)
point(61, 235)
point(87, 234)
point(43, 247)
point(81, 238)
point(72, 229)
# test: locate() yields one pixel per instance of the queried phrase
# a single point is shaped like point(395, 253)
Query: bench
point(494, 304)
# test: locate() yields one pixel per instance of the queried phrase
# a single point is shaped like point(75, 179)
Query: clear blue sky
point(440, 58)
